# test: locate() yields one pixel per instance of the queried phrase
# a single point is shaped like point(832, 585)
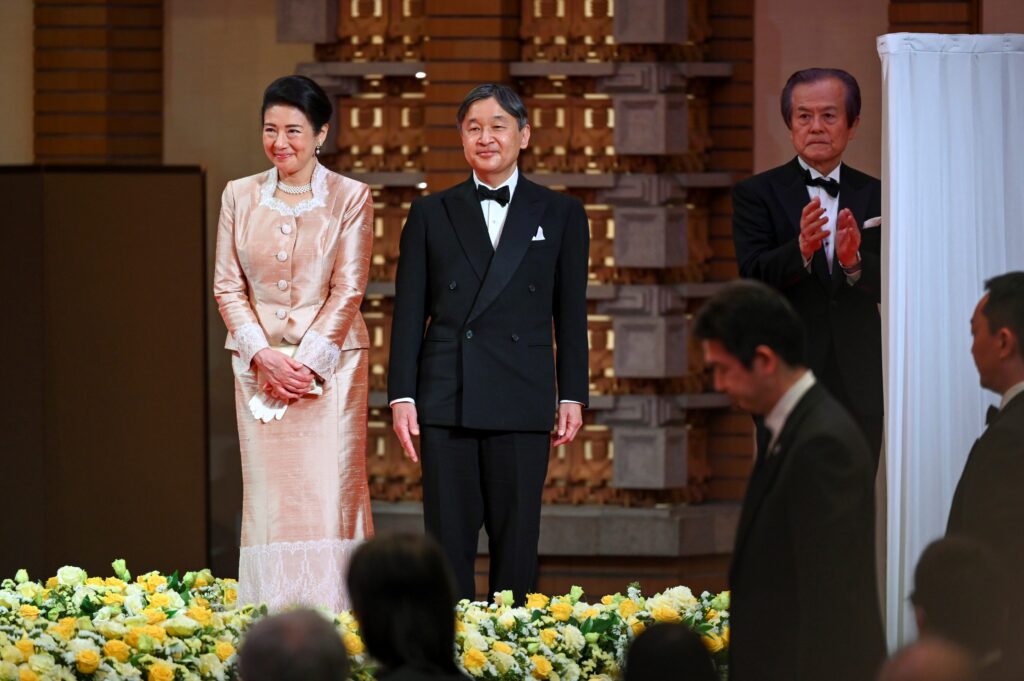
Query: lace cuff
point(319, 353)
point(250, 340)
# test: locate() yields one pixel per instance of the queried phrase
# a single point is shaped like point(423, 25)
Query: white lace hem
point(318, 200)
point(250, 339)
point(319, 353)
point(288, 574)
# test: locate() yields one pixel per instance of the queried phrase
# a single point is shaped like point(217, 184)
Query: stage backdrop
point(952, 172)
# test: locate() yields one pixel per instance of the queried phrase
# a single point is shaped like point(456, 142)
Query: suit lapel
point(520, 226)
point(468, 221)
point(792, 192)
point(767, 468)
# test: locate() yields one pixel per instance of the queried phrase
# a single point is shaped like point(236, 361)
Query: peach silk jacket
point(296, 275)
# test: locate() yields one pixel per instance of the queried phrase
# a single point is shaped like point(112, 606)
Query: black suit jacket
point(841, 320)
point(804, 600)
point(473, 326)
point(988, 506)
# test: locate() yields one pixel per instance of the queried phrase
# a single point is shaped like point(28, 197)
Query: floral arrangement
point(189, 628)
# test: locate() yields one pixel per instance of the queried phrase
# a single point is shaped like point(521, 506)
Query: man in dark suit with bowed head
point(492, 278)
point(988, 505)
point(809, 229)
point(804, 599)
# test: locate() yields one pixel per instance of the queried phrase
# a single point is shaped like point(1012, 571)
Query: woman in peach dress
point(293, 256)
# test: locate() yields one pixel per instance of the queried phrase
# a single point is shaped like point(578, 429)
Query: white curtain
point(953, 204)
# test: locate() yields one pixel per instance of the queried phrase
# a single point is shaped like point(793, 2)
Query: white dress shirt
point(1010, 394)
point(494, 212)
point(775, 420)
point(830, 204)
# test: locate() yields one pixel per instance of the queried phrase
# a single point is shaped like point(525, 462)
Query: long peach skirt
point(306, 504)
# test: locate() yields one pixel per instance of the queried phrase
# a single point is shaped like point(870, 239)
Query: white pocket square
point(539, 236)
point(873, 222)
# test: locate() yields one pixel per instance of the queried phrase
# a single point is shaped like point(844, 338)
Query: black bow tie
point(826, 183)
point(991, 415)
point(501, 194)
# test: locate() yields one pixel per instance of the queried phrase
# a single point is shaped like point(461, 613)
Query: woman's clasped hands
point(283, 377)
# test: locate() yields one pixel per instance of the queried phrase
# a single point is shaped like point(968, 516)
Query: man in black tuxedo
point(809, 229)
point(988, 505)
point(804, 600)
point(488, 271)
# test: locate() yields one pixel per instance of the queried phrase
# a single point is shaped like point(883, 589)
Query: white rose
point(135, 603)
point(42, 663)
point(69, 575)
point(175, 600)
point(507, 620)
point(8, 671)
point(111, 628)
point(77, 645)
point(181, 626)
point(29, 590)
point(574, 637)
point(571, 672)
point(210, 665)
point(9, 600)
point(502, 661)
point(475, 640)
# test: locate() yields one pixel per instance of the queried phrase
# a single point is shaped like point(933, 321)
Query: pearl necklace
point(289, 189)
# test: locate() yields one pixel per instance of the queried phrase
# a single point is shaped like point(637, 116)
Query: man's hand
point(812, 219)
point(286, 378)
point(405, 425)
point(847, 240)
point(570, 420)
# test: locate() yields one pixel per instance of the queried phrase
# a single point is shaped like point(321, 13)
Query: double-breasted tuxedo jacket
point(844, 338)
point(804, 598)
point(474, 327)
point(988, 506)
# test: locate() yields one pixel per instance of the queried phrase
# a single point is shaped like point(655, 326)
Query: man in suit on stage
point(490, 272)
point(804, 600)
point(809, 229)
point(988, 505)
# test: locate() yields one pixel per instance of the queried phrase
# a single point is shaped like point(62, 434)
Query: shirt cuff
point(402, 399)
point(569, 402)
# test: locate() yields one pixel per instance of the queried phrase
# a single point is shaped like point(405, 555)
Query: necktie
point(501, 194)
point(826, 183)
point(991, 415)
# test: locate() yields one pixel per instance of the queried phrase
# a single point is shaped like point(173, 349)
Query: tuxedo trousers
point(491, 479)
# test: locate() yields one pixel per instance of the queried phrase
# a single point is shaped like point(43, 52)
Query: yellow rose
point(65, 628)
point(224, 650)
point(26, 674)
point(154, 615)
point(118, 650)
point(536, 600)
point(87, 661)
point(473, 660)
point(51, 583)
point(200, 602)
point(353, 644)
point(161, 600)
point(590, 612)
point(161, 672)
point(29, 612)
point(200, 614)
point(665, 614)
point(459, 627)
point(230, 596)
point(25, 647)
point(561, 611)
point(725, 635)
point(628, 608)
point(712, 641)
point(152, 582)
point(542, 668)
point(638, 627)
point(114, 581)
point(502, 647)
point(94, 581)
point(607, 600)
point(712, 614)
point(548, 636)
point(113, 598)
point(201, 581)
point(155, 631)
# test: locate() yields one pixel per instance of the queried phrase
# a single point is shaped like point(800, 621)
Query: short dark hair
point(808, 76)
point(505, 96)
point(303, 94)
point(666, 652)
point(403, 595)
point(949, 577)
point(746, 314)
point(301, 645)
point(1005, 306)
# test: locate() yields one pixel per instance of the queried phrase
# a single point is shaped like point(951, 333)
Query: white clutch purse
point(266, 408)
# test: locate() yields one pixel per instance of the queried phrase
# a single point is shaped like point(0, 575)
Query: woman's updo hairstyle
point(303, 94)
